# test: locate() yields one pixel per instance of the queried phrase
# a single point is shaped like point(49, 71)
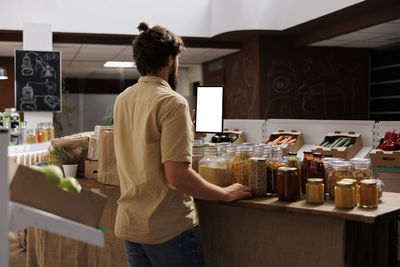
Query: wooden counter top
point(390, 204)
point(93, 183)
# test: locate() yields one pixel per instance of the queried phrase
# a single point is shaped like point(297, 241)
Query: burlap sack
point(46, 249)
point(79, 143)
point(107, 169)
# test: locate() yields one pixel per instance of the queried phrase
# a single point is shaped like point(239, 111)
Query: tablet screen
point(209, 109)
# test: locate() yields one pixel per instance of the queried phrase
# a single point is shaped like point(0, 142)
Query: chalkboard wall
point(38, 80)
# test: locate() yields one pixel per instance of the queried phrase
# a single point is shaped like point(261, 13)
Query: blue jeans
point(183, 250)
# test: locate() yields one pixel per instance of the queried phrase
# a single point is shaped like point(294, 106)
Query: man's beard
point(173, 76)
point(173, 80)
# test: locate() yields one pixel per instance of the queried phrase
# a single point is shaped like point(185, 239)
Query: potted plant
point(68, 158)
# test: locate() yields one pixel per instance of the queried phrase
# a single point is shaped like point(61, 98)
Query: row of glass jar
point(260, 167)
point(9, 118)
point(20, 135)
point(348, 193)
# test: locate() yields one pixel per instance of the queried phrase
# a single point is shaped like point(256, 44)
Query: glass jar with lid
point(40, 135)
point(7, 116)
point(317, 168)
point(340, 170)
point(328, 169)
point(305, 166)
point(198, 152)
point(361, 168)
point(239, 166)
point(31, 136)
point(369, 194)
point(345, 195)
point(221, 149)
point(213, 168)
point(315, 191)
point(258, 151)
point(288, 186)
point(1, 120)
point(275, 161)
point(258, 176)
point(356, 187)
point(380, 186)
point(14, 118)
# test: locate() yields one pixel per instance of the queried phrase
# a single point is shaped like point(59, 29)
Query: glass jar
point(328, 169)
point(369, 194)
point(14, 118)
point(40, 135)
point(1, 120)
point(344, 195)
point(7, 116)
point(239, 167)
point(198, 153)
point(275, 161)
point(380, 185)
point(258, 151)
point(213, 168)
point(22, 132)
point(361, 168)
point(14, 136)
point(31, 137)
point(315, 191)
point(305, 166)
point(258, 176)
point(340, 170)
point(356, 187)
point(288, 187)
point(220, 149)
point(317, 168)
point(51, 130)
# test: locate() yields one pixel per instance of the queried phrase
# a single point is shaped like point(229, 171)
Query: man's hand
point(197, 135)
point(237, 191)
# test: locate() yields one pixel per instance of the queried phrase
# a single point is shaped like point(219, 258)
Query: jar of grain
point(258, 176)
point(213, 168)
point(361, 168)
point(340, 170)
point(275, 160)
point(239, 166)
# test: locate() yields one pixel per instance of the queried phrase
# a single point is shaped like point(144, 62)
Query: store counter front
point(268, 232)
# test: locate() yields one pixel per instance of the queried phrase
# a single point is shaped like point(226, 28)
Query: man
point(153, 137)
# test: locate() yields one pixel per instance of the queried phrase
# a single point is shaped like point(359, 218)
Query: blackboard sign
point(37, 80)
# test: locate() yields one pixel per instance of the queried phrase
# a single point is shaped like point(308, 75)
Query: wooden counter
point(390, 205)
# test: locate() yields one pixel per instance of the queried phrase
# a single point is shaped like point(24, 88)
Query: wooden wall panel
point(7, 86)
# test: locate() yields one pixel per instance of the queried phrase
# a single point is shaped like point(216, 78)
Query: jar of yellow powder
point(213, 168)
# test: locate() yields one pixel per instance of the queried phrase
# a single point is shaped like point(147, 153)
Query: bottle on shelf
point(22, 132)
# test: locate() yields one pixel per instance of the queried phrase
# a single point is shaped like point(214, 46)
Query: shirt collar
point(154, 79)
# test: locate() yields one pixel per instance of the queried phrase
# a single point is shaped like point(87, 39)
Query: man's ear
point(170, 61)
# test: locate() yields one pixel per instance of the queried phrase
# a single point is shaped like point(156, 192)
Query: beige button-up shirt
point(152, 125)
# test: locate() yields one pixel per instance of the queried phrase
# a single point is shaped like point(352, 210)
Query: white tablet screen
point(209, 109)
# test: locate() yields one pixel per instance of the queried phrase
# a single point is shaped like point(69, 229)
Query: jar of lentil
point(315, 191)
point(258, 176)
point(340, 170)
point(198, 153)
point(344, 195)
point(361, 168)
point(275, 161)
point(213, 168)
point(369, 194)
point(239, 167)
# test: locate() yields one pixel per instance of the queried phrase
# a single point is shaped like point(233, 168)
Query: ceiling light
point(119, 64)
point(3, 74)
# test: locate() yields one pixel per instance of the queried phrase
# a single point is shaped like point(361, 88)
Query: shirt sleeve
point(177, 134)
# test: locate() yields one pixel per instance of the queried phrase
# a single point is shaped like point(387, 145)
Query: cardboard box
point(241, 136)
point(31, 188)
point(340, 152)
point(383, 158)
point(286, 148)
point(91, 168)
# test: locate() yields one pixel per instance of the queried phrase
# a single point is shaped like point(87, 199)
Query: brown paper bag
point(107, 169)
